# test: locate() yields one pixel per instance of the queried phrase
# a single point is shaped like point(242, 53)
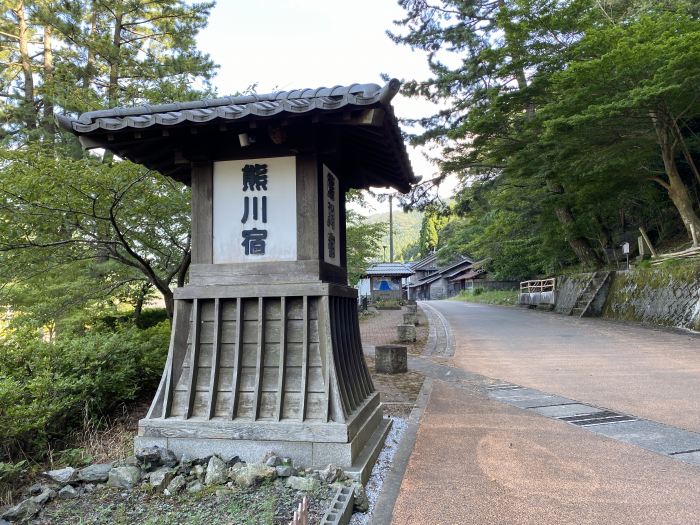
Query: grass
point(502, 297)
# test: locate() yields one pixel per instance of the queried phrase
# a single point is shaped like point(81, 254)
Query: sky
point(290, 44)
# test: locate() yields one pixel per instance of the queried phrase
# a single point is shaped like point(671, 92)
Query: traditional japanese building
point(386, 280)
point(265, 351)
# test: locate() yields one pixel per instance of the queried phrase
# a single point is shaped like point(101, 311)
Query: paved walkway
point(483, 460)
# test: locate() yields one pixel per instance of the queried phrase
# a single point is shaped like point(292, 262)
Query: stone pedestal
point(406, 333)
point(412, 308)
point(390, 359)
point(282, 371)
point(410, 318)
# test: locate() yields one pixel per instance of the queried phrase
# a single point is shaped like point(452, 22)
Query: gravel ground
point(271, 503)
point(376, 479)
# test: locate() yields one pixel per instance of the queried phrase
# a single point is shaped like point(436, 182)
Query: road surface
point(479, 460)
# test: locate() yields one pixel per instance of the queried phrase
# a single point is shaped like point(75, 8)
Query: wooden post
point(646, 239)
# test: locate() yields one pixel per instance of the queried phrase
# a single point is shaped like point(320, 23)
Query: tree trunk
point(90, 65)
point(49, 125)
point(26, 63)
point(676, 188)
point(114, 61)
point(169, 303)
point(138, 307)
point(580, 245)
point(113, 88)
point(680, 196)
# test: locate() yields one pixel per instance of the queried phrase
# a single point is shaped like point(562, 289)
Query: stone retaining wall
point(569, 287)
point(665, 295)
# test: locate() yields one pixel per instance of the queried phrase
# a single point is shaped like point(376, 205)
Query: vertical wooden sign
point(331, 217)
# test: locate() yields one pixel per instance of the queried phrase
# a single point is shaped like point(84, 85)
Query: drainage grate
point(597, 418)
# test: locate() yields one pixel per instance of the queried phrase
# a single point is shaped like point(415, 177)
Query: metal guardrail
point(540, 291)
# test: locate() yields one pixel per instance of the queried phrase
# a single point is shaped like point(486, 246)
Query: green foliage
point(479, 295)
point(47, 388)
point(66, 213)
point(434, 220)
point(364, 244)
point(570, 123)
point(406, 230)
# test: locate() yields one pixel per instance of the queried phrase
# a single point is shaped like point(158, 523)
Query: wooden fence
point(541, 291)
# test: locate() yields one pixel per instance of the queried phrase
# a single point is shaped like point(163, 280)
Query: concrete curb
point(384, 507)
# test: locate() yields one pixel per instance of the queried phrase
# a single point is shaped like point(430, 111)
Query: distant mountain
point(406, 229)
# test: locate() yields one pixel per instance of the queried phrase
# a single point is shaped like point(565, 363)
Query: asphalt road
point(477, 460)
point(649, 373)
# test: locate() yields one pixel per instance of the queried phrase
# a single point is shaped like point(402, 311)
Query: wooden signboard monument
point(265, 353)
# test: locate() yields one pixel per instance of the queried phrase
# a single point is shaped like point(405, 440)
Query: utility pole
point(391, 229)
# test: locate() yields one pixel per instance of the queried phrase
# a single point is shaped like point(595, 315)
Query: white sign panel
point(331, 217)
point(255, 210)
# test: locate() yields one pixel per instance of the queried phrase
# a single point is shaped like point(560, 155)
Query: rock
point(168, 458)
point(89, 488)
point(36, 489)
point(302, 484)
point(195, 487)
point(331, 473)
point(285, 471)
point(273, 461)
point(22, 511)
point(150, 455)
point(62, 476)
point(217, 472)
point(176, 485)
point(46, 495)
point(131, 461)
point(249, 475)
point(98, 473)
point(361, 499)
point(3, 522)
point(233, 461)
point(124, 477)
point(67, 492)
point(199, 471)
point(161, 478)
point(156, 456)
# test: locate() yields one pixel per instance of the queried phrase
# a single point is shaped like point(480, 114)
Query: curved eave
point(119, 129)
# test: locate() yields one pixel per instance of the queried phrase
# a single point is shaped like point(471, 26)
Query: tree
point(483, 55)
point(364, 239)
point(434, 220)
point(498, 70)
point(55, 212)
point(65, 206)
point(648, 70)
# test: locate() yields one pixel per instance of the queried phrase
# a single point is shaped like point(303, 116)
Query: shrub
point(46, 389)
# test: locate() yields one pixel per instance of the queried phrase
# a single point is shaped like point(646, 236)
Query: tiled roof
point(143, 133)
point(395, 269)
point(426, 280)
point(230, 108)
point(426, 263)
